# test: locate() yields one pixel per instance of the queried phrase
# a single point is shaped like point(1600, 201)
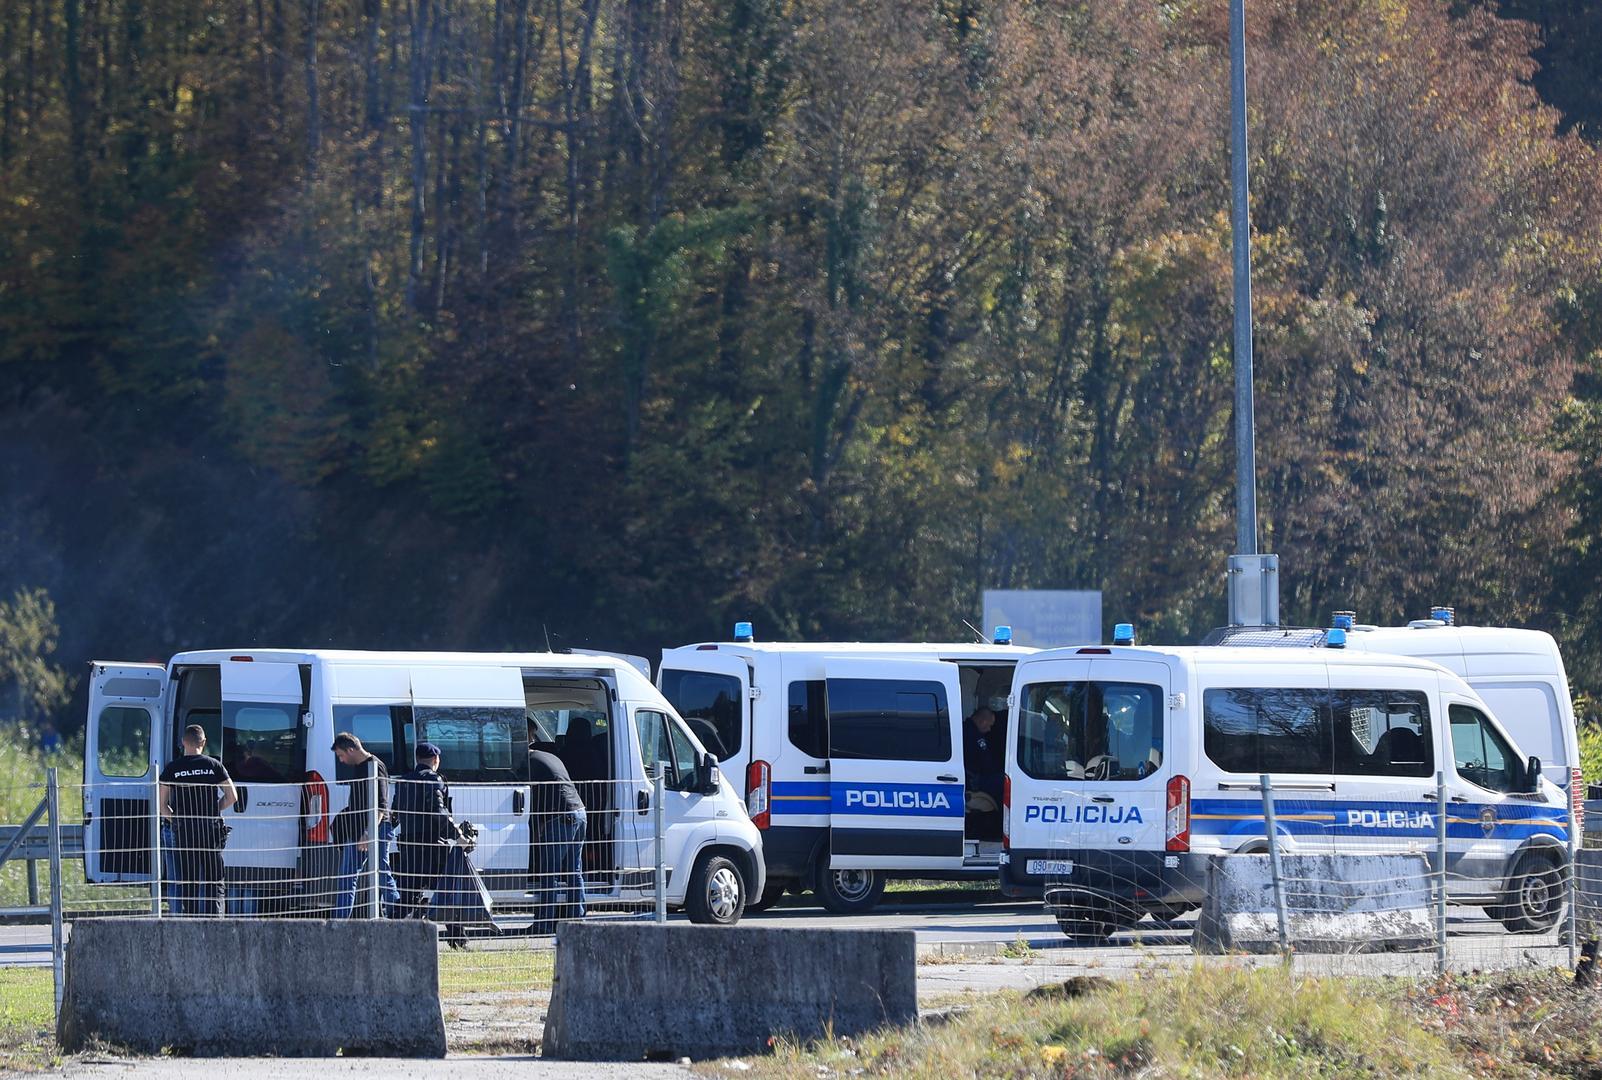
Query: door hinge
point(1012, 699)
point(1176, 701)
point(755, 692)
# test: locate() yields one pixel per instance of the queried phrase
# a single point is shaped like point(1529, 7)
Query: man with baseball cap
point(423, 815)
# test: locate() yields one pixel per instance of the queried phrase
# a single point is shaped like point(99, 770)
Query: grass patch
point(27, 1018)
point(1202, 1022)
point(472, 973)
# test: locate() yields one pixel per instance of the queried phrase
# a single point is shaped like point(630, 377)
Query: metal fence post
point(1440, 872)
point(33, 883)
point(155, 848)
point(58, 957)
point(1272, 830)
point(657, 788)
point(372, 838)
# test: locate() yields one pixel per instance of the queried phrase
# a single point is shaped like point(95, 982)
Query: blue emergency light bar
point(1335, 638)
point(1124, 634)
point(1344, 620)
point(1444, 614)
point(1003, 635)
point(742, 631)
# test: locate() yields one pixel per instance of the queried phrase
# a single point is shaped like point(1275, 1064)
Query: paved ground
point(468, 1068)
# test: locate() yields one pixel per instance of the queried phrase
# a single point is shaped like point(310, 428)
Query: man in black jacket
point(423, 817)
point(559, 817)
point(351, 827)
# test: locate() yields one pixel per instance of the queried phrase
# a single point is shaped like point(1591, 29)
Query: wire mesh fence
point(1387, 878)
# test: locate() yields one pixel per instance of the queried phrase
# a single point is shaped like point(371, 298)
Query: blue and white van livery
point(1130, 766)
point(271, 716)
point(852, 755)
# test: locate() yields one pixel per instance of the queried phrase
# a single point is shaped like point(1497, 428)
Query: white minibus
point(852, 755)
point(1130, 766)
point(271, 715)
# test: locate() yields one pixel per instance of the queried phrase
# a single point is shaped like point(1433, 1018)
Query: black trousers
point(417, 868)
point(200, 868)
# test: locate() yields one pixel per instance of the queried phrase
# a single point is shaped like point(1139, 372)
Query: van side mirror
point(1532, 774)
point(707, 767)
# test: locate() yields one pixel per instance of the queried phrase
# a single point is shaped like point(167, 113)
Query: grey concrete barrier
point(1334, 904)
point(279, 987)
point(629, 991)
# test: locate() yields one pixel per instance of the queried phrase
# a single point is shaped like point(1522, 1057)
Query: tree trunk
point(417, 120)
point(314, 121)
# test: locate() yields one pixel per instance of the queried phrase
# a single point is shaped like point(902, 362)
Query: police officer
point(423, 818)
point(194, 792)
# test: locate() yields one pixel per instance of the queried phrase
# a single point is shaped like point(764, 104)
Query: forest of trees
point(457, 323)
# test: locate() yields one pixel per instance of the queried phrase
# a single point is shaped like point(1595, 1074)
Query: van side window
point(710, 704)
point(1268, 730)
point(124, 738)
point(1383, 733)
point(263, 742)
point(809, 718)
point(1483, 757)
point(483, 744)
point(662, 741)
point(1090, 731)
point(887, 719)
point(376, 727)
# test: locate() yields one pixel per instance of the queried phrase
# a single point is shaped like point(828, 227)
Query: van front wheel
point(849, 892)
point(1535, 896)
point(717, 892)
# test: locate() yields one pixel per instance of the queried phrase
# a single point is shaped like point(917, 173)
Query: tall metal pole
point(1245, 423)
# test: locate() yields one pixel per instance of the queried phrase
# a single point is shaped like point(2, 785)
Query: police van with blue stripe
point(1129, 766)
point(852, 755)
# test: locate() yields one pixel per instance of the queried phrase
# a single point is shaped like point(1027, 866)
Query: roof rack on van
point(1294, 637)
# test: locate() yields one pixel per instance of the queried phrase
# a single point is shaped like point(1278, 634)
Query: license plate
point(1050, 866)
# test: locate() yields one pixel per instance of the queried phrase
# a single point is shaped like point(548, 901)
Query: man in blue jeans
point(560, 813)
point(350, 827)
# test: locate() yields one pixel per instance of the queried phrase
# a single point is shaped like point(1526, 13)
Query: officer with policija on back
point(194, 792)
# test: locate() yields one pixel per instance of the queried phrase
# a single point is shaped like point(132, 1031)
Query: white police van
point(852, 755)
point(271, 715)
point(1129, 766)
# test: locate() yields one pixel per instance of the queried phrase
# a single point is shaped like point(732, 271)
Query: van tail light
point(758, 784)
point(1178, 824)
point(1577, 805)
point(1006, 812)
point(314, 805)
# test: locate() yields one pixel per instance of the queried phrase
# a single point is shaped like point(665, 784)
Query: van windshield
point(1090, 731)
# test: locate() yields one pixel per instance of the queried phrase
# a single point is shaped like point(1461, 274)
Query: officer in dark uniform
point(423, 817)
point(195, 790)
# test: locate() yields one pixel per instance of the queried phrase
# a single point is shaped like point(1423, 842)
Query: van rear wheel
point(1534, 896)
point(849, 892)
point(717, 892)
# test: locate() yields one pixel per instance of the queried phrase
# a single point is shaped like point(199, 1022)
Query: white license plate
point(1050, 866)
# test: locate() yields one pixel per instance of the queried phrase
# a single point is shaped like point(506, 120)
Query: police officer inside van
point(195, 790)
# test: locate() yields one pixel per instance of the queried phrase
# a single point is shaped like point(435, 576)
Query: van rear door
point(714, 699)
point(126, 703)
point(477, 718)
point(263, 747)
point(895, 764)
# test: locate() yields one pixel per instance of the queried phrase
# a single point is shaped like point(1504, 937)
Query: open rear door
point(119, 769)
point(264, 749)
point(895, 765)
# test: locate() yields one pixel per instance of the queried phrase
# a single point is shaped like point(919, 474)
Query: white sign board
point(1043, 618)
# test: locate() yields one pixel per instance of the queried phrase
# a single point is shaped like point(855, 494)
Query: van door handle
point(946, 778)
point(814, 770)
point(643, 801)
point(244, 798)
point(1460, 798)
point(1101, 798)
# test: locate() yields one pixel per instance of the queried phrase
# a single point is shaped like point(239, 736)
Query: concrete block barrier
point(1334, 904)
point(630, 991)
point(280, 987)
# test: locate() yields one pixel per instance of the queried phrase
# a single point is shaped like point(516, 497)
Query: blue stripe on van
point(866, 797)
point(1311, 817)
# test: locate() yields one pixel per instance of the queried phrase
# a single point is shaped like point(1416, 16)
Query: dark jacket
point(981, 754)
point(351, 824)
point(422, 808)
point(554, 792)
